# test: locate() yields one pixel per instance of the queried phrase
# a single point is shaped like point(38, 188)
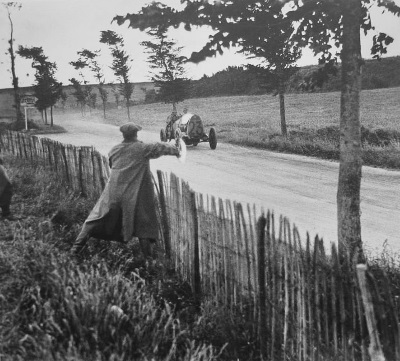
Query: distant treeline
point(376, 74)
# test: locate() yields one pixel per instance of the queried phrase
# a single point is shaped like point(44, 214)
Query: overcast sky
point(63, 27)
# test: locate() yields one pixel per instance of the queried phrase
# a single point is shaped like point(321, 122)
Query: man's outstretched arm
point(156, 150)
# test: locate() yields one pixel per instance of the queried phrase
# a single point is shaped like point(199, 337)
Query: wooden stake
point(375, 348)
point(261, 284)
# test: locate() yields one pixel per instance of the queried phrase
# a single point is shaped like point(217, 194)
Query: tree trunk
point(348, 194)
point(127, 108)
point(104, 109)
point(282, 111)
point(17, 95)
point(45, 116)
point(51, 116)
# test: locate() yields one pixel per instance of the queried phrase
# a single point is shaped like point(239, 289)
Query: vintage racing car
point(189, 127)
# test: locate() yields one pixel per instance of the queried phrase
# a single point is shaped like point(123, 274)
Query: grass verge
point(110, 305)
point(34, 127)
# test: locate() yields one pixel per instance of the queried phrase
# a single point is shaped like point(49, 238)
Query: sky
point(64, 27)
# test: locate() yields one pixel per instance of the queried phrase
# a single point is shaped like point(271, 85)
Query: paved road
point(300, 188)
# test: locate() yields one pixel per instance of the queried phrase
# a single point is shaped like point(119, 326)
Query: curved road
point(300, 188)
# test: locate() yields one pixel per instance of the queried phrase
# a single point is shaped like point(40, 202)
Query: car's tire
point(195, 144)
point(212, 138)
point(163, 135)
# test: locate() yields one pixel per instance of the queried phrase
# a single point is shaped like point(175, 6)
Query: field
point(254, 121)
point(379, 109)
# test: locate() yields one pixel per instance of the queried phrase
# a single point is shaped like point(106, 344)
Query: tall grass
point(88, 313)
point(110, 305)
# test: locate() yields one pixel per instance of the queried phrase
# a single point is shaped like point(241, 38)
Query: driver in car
point(171, 119)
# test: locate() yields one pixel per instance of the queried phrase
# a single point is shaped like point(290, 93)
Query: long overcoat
point(126, 207)
point(5, 187)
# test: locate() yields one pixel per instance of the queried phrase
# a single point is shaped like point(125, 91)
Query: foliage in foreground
point(87, 313)
point(108, 306)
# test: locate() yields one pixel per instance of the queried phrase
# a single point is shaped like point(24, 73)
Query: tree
point(83, 91)
point(17, 95)
point(87, 59)
point(164, 56)
point(47, 89)
point(120, 64)
point(263, 32)
point(116, 94)
point(64, 97)
point(320, 24)
point(80, 94)
point(258, 28)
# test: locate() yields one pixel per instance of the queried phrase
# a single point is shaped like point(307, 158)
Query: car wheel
point(212, 138)
point(163, 135)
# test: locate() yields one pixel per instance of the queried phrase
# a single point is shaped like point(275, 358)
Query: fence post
point(11, 139)
point(101, 171)
point(196, 258)
point(375, 348)
point(80, 170)
point(164, 215)
point(49, 154)
point(261, 283)
point(64, 157)
point(24, 146)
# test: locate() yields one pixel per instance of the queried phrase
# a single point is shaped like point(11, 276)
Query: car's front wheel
point(212, 138)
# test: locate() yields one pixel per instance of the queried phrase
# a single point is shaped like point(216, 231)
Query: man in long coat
point(126, 208)
point(6, 192)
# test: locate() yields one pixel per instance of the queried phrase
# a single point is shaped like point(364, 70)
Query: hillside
point(384, 73)
point(377, 74)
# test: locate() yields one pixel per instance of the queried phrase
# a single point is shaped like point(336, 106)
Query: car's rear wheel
point(212, 138)
point(163, 135)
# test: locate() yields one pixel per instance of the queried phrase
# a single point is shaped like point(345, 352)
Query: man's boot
point(79, 245)
point(6, 213)
point(82, 238)
point(147, 247)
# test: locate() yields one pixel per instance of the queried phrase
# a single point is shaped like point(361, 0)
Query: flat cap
point(130, 128)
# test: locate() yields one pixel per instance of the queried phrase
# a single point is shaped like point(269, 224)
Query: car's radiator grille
point(195, 127)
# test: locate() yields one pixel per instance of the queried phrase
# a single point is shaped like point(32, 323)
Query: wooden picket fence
point(302, 302)
point(82, 168)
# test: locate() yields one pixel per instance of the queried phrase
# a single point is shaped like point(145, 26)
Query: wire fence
point(302, 302)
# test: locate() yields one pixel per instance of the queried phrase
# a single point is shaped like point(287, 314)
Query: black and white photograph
point(200, 180)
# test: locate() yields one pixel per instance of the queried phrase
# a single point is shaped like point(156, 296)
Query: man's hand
point(178, 147)
point(181, 148)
